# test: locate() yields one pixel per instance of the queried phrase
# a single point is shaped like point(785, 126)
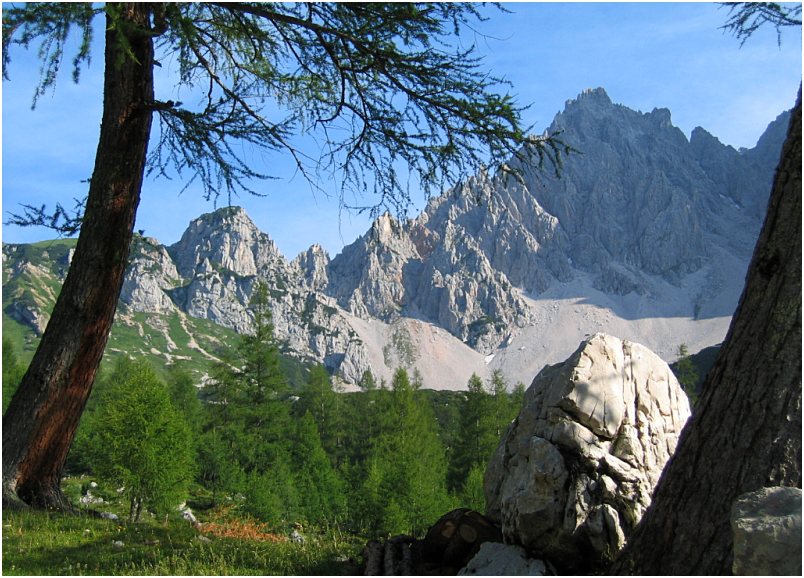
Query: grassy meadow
point(56, 543)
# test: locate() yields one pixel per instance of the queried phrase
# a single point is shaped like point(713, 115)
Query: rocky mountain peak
point(388, 234)
point(386, 229)
point(225, 239)
point(367, 277)
point(701, 138)
point(590, 97)
point(662, 117)
point(312, 267)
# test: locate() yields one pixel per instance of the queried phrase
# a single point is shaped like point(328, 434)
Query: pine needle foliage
point(745, 18)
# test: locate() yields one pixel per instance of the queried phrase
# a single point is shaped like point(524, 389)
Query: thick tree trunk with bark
point(42, 418)
point(746, 433)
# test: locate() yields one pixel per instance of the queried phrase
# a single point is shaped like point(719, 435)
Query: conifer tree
point(319, 398)
point(366, 501)
point(360, 428)
point(471, 492)
point(218, 470)
point(484, 417)
point(469, 446)
point(407, 464)
point(184, 396)
point(320, 488)
point(517, 398)
point(503, 406)
point(367, 381)
point(140, 441)
point(686, 373)
point(247, 413)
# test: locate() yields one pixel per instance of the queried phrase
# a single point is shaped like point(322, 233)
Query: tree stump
point(455, 538)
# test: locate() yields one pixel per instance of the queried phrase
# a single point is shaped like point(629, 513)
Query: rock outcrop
point(219, 261)
point(576, 469)
point(368, 277)
point(767, 533)
point(149, 278)
point(312, 266)
point(496, 559)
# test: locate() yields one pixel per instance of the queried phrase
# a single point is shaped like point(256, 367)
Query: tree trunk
point(40, 423)
point(746, 433)
point(132, 511)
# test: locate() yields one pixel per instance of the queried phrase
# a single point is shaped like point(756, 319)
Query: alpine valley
point(645, 235)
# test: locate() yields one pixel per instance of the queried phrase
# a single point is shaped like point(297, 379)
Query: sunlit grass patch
point(53, 543)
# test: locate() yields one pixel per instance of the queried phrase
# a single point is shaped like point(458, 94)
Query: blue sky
point(645, 55)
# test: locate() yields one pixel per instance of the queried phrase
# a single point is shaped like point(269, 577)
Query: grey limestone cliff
point(639, 209)
point(212, 272)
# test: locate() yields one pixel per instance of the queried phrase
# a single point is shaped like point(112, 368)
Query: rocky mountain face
point(212, 272)
point(645, 234)
point(639, 210)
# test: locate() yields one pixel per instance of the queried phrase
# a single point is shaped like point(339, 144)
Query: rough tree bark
point(42, 418)
point(746, 433)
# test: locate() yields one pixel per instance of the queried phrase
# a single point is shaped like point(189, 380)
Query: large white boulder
point(576, 469)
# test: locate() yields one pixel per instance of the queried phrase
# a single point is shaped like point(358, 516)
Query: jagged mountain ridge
point(646, 234)
point(641, 207)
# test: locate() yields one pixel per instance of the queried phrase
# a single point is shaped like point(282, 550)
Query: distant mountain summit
point(645, 234)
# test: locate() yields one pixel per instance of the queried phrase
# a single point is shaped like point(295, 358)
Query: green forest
point(285, 452)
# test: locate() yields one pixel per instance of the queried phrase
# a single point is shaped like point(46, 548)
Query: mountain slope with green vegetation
point(32, 278)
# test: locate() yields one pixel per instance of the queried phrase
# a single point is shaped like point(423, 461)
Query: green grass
point(52, 543)
point(63, 244)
